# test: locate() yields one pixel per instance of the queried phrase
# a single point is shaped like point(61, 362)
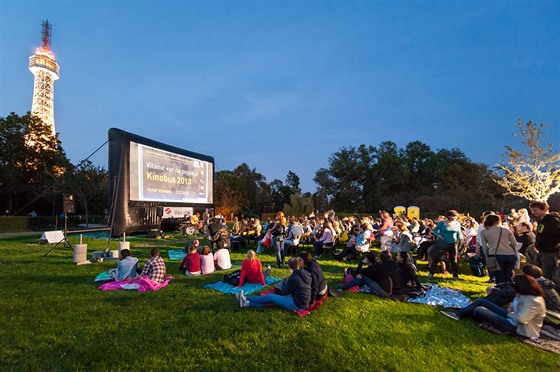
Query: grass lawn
point(54, 317)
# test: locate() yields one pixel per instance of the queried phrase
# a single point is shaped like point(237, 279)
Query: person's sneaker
point(451, 314)
point(269, 267)
point(241, 297)
point(345, 271)
point(244, 303)
point(430, 276)
point(455, 278)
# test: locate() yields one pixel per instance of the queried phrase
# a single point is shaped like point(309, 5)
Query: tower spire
point(45, 69)
point(47, 29)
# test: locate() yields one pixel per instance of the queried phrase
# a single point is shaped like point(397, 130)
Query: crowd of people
point(515, 303)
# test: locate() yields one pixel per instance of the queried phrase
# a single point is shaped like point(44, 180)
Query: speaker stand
point(64, 241)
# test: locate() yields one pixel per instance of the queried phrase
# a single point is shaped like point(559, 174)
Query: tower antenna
point(47, 31)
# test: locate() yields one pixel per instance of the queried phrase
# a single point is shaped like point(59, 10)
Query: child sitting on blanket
point(127, 267)
point(207, 261)
point(191, 263)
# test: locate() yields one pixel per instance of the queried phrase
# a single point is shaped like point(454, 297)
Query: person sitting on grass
point(392, 268)
point(126, 268)
point(155, 268)
point(551, 297)
point(407, 271)
point(207, 260)
point(319, 287)
point(251, 270)
point(295, 294)
point(191, 263)
point(523, 317)
point(374, 275)
point(222, 260)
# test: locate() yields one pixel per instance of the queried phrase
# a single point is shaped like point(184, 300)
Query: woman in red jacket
point(251, 270)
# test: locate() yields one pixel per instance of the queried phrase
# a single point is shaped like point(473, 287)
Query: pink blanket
point(143, 284)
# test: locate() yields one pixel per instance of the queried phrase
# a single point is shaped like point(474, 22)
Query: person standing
point(499, 241)
point(449, 233)
point(278, 237)
point(547, 239)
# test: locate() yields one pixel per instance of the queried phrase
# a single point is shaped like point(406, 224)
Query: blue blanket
point(176, 254)
point(248, 288)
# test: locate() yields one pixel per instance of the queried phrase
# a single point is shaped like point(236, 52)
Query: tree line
point(35, 171)
point(358, 179)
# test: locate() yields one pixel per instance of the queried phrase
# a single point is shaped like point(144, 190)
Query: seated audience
point(551, 297)
point(222, 260)
point(154, 268)
point(404, 243)
point(251, 270)
point(295, 231)
point(374, 275)
point(191, 262)
point(319, 288)
point(126, 268)
point(207, 260)
point(407, 271)
point(325, 239)
point(295, 294)
point(523, 317)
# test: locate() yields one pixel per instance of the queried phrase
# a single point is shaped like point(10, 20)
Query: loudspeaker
point(68, 203)
point(159, 211)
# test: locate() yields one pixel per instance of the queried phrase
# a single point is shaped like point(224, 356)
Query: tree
point(533, 172)
point(32, 163)
point(292, 181)
point(229, 193)
point(89, 183)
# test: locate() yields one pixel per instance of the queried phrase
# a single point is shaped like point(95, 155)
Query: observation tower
point(46, 71)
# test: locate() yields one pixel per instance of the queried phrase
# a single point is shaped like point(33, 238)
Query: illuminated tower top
point(43, 65)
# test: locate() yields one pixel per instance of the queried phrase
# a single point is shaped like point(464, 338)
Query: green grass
point(54, 317)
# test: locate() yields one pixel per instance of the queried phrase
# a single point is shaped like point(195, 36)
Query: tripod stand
point(64, 241)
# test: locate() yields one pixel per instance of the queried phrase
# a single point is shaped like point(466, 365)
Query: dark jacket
point(407, 274)
point(299, 286)
point(551, 297)
point(379, 274)
point(527, 240)
point(318, 279)
point(392, 268)
point(548, 234)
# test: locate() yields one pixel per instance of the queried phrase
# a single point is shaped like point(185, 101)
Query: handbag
point(491, 262)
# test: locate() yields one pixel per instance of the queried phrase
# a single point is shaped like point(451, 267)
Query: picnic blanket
point(176, 254)
point(543, 342)
point(103, 277)
point(315, 306)
point(446, 297)
point(248, 288)
point(142, 284)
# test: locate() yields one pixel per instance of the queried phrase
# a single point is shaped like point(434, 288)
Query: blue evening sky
point(283, 85)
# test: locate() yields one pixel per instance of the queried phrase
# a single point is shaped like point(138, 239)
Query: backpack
point(232, 278)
